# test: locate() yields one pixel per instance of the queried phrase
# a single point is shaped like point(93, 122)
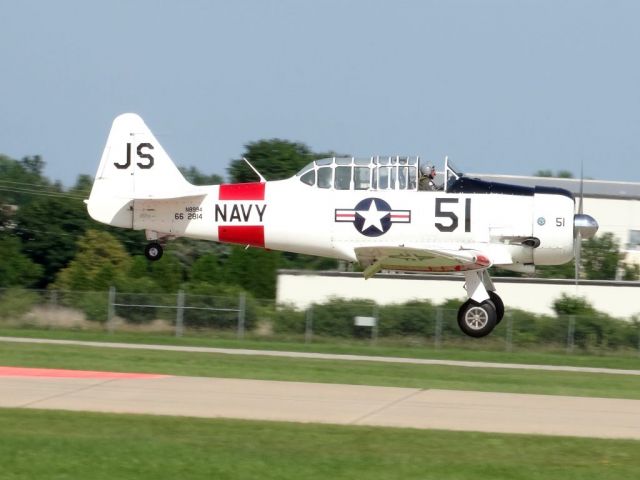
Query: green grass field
point(63, 445)
point(325, 371)
point(487, 350)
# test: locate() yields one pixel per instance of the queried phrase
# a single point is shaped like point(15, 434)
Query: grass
point(324, 371)
point(487, 350)
point(63, 445)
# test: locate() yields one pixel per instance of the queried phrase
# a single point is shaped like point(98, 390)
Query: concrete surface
point(326, 403)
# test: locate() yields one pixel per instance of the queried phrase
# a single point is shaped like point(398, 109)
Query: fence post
point(308, 325)
point(111, 310)
point(437, 337)
point(509, 341)
point(571, 333)
point(53, 298)
point(241, 312)
point(180, 314)
point(53, 305)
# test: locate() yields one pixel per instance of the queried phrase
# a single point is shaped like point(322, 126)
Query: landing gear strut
point(153, 251)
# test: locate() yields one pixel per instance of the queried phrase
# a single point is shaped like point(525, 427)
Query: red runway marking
point(56, 373)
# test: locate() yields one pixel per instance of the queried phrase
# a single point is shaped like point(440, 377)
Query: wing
point(374, 259)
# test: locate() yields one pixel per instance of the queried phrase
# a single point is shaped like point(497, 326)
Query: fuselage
point(525, 227)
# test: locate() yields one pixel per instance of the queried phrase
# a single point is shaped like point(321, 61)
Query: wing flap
point(374, 259)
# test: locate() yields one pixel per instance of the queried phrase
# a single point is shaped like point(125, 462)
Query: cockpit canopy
point(374, 173)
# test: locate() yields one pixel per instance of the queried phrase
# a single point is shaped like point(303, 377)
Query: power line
point(43, 194)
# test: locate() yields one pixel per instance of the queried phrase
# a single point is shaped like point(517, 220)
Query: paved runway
point(319, 403)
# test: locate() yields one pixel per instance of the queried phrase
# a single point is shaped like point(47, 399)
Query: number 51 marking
point(452, 216)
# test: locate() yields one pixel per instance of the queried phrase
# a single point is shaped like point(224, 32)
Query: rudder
point(133, 166)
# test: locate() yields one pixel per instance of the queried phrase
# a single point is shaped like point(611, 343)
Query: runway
point(319, 403)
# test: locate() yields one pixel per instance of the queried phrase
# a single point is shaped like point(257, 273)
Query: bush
point(336, 317)
point(286, 319)
point(95, 305)
point(224, 298)
point(15, 302)
point(411, 318)
point(141, 291)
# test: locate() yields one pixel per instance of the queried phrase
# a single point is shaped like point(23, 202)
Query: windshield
point(450, 174)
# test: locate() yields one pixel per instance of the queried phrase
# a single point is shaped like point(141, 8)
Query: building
point(536, 295)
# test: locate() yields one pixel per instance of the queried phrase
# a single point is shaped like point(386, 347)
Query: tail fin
point(133, 166)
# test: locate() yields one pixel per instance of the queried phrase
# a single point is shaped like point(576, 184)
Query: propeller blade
point(581, 188)
point(577, 242)
point(577, 254)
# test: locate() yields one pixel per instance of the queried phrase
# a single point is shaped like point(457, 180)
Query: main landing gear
point(479, 315)
point(153, 251)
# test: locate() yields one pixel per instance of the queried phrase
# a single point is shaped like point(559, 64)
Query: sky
point(500, 86)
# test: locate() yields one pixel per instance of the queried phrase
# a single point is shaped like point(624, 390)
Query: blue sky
point(501, 86)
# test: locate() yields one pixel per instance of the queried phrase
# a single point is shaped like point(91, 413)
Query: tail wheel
point(477, 319)
point(497, 302)
point(153, 251)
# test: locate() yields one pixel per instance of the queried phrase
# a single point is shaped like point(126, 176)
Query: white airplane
point(367, 210)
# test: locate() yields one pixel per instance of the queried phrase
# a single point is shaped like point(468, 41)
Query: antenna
point(262, 180)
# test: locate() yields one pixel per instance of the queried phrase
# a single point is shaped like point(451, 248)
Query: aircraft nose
point(584, 224)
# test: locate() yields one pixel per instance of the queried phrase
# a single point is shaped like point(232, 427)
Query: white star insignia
point(372, 217)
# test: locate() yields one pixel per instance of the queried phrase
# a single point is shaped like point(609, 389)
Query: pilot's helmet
point(427, 170)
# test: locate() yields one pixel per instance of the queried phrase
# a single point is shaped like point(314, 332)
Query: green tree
point(566, 270)
point(16, 269)
point(253, 269)
point(631, 271)
point(49, 228)
point(275, 159)
point(601, 256)
point(206, 269)
point(101, 261)
point(196, 177)
point(20, 180)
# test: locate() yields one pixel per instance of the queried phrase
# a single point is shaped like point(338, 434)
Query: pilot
point(427, 174)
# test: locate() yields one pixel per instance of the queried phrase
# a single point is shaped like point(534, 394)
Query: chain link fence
point(241, 316)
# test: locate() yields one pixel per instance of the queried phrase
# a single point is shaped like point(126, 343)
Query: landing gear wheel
point(497, 302)
point(153, 251)
point(477, 319)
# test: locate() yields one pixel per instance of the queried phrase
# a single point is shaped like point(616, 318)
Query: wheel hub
point(476, 318)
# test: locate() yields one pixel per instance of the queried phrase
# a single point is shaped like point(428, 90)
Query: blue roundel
point(372, 217)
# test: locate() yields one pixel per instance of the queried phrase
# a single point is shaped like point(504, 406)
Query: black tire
point(497, 302)
point(153, 251)
point(477, 319)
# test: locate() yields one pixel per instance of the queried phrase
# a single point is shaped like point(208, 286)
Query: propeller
point(583, 226)
point(577, 242)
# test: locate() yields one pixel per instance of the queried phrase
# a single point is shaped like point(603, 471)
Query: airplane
point(365, 210)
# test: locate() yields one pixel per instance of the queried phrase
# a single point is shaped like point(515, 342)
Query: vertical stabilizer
point(133, 166)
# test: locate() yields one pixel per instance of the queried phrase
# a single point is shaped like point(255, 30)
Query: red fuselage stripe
point(242, 191)
point(243, 234)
